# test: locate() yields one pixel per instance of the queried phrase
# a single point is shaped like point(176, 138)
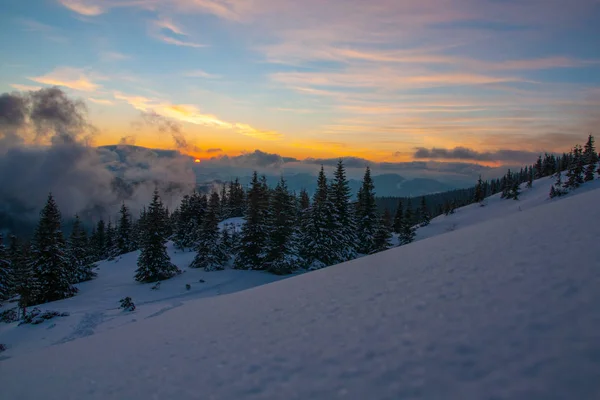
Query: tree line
point(283, 231)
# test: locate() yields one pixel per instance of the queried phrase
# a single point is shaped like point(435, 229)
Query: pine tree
point(124, 230)
point(224, 204)
point(254, 233)
point(343, 227)
point(82, 268)
point(282, 251)
point(408, 231)
point(575, 168)
point(48, 258)
point(367, 219)
point(24, 279)
point(98, 242)
point(210, 251)
point(398, 218)
point(539, 168)
point(530, 178)
point(110, 244)
point(425, 217)
point(383, 235)
point(479, 192)
point(7, 284)
point(318, 242)
point(153, 262)
point(590, 159)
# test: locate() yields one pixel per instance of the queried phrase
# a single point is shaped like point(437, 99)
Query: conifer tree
point(282, 251)
point(590, 159)
point(224, 204)
point(48, 257)
point(79, 255)
point(530, 178)
point(110, 243)
point(25, 283)
point(407, 233)
point(383, 235)
point(124, 230)
point(367, 220)
point(479, 192)
point(253, 238)
point(575, 168)
point(318, 244)
point(425, 217)
point(7, 283)
point(398, 218)
point(98, 242)
point(210, 251)
point(154, 264)
point(343, 227)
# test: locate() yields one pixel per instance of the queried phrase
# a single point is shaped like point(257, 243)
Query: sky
point(385, 80)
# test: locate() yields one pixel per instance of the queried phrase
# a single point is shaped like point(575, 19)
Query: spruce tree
point(124, 231)
point(367, 218)
point(98, 242)
point(398, 218)
point(210, 251)
point(48, 257)
point(82, 268)
point(343, 227)
point(383, 235)
point(590, 159)
point(575, 168)
point(425, 217)
point(407, 233)
point(111, 250)
point(282, 247)
point(479, 192)
point(224, 204)
point(7, 284)
point(153, 262)
point(253, 238)
point(318, 242)
point(26, 286)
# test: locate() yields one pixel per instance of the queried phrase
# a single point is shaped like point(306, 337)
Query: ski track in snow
point(86, 327)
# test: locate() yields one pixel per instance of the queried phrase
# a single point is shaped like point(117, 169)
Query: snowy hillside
point(504, 303)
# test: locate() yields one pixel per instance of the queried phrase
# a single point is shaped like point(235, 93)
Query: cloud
point(166, 125)
point(255, 159)
point(215, 150)
point(83, 7)
point(25, 87)
point(86, 180)
point(463, 153)
point(167, 31)
point(198, 73)
point(191, 114)
point(103, 102)
point(72, 78)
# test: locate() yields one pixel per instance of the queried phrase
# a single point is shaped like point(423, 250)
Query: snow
point(506, 305)
point(95, 308)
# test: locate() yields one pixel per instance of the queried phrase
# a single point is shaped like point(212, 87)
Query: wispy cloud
point(104, 102)
point(72, 78)
point(191, 114)
point(168, 32)
point(198, 73)
point(89, 8)
point(114, 56)
point(25, 88)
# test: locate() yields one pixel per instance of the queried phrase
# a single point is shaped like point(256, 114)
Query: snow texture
point(500, 308)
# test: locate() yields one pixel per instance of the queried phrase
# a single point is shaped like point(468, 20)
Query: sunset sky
point(382, 79)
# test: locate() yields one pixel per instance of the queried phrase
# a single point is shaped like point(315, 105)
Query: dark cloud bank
point(86, 180)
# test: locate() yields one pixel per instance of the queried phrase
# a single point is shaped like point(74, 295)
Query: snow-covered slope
point(96, 307)
point(507, 308)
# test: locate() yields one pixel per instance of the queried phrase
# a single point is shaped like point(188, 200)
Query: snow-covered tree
point(7, 284)
point(98, 241)
point(82, 268)
point(26, 285)
point(367, 218)
point(398, 218)
point(282, 247)
point(111, 250)
point(154, 263)
point(575, 168)
point(407, 232)
point(124, 231)
point(383, 235)
point(590, 158)
point(210, 251)
point(344, 227)
point(425, 217)
point(318, 242)
point(253, 238)
point(48, 257)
